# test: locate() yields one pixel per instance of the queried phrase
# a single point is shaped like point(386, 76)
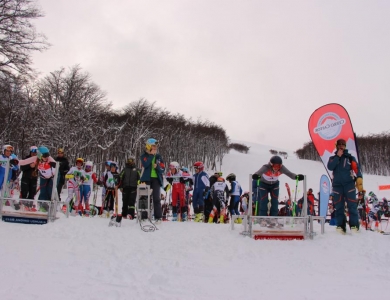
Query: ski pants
point(178, 195)
point(73, 189)
point(45, 188)
point(60, 184)
point(154, 184)
point(198, 201)
point(262, 201)
point(234, 201)
point(129, 196)
point(85, 193)
point(29, 188)
point(109, 199)
point(346, 194)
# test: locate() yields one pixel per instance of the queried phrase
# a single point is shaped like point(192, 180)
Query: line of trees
point(67, 110)
point(374, 153)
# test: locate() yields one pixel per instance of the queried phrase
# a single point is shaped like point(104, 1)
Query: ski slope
point(83, 258)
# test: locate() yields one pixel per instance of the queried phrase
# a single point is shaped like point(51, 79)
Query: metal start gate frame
point(30, 217)
point(279, 227)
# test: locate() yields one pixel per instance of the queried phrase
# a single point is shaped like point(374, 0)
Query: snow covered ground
point(83, 258)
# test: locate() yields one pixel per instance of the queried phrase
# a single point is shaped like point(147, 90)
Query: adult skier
point(345, 169)
point(269, 184)
point(62, 171)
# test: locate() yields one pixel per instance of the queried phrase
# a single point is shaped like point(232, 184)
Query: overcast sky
point(257, 68)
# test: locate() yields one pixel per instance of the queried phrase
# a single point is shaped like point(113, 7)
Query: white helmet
point(174, 165)
point(89, 164)
point(8, 147)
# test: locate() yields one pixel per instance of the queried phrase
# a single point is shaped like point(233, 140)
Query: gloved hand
point(167, 187)
point(52, 164)
point(255, 176)
point(359, 184)
point(170, 180)
point(82, 178)
point(14, 162)
point(181, 179)
point(300, 177)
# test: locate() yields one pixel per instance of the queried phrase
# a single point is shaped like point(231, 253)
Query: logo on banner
point(325, 187)
point(329, 126)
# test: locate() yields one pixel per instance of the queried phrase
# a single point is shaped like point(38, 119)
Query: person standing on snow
point(235, 194)
point(129, 178)
point(219, 194)
point(63, 169)
point(88, 183)
point(4, 157)
point(152, 169)
point(111, 181)
point(269, 184)
point(76, 176)
point(46, 168)
point(177, 180)
point(345, 168)
point(30, 177)
point(201, 187)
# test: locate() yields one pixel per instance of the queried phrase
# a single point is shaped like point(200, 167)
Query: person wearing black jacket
point(29, 178)
point(64, 168)
point(129, 178)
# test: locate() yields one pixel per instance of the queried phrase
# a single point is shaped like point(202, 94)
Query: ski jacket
point(90, 178)
point(147, 165)
point(47, 168)
point(269, 176)
point(201, 181)
point(342, 168)
point(111, 180)
point(236, 189)
point(219, 190)
point(78, 175)
point(28, 172)
point(3, 166)
point(64, 165)
point(129, 177)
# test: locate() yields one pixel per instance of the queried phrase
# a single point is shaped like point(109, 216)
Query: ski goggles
point(152, 142)
point(33, 150)
point(45, 155)
point(218, 173)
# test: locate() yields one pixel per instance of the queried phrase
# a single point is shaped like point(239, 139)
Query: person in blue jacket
point(345, 169)
point(4, 157)
point(152, 170)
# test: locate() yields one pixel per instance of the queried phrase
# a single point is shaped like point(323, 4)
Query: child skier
point(269, 184)
point(76, 176)
point(177, 179)
point(89, 180)
point(201, 186)
point(219, 193)
point(235, 193)
point(111, 181)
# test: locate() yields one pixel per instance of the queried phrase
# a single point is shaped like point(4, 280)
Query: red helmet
point(199, 165)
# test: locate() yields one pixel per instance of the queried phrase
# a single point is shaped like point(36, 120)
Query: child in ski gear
point(30, 177)
point(89, 180)
point(62, 171)
point(129, 179)
point(4, 158)
point(310, 203)
point(189, 187)
point(46, 169)
point(101, 179)
point(152, 169)
point(177, 179)
point(76, 176)
point(345, 168)
point(244, 203)
point(201, 186)
point(208, 200)
point(269, 184)
point(111, 182)
point(235, 193)
point(219, 193)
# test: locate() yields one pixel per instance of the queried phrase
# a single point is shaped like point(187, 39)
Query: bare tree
point(18, 37)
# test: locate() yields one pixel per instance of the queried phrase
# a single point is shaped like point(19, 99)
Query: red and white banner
point(384, 187)
point(327, 124)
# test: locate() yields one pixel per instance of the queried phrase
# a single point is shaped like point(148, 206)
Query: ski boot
point(184, 217)
point(174, 217)
point(198, 217)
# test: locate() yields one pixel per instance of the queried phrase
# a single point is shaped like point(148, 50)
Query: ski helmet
point(231, 177)
point(33, 149)
point(113, 164)
point(130, 161)
point(220, 179)
point(150, 143)
point(219, 174)
point(79, 159)
point(8, 147)
point(340, 142)
point(60, 151)
point(276, 162)
point(199, 165)
point(89, 164)
point(174, 165)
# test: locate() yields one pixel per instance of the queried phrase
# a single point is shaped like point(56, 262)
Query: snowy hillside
point(83, 258)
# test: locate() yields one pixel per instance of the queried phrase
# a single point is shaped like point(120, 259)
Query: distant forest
point(374, 153)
